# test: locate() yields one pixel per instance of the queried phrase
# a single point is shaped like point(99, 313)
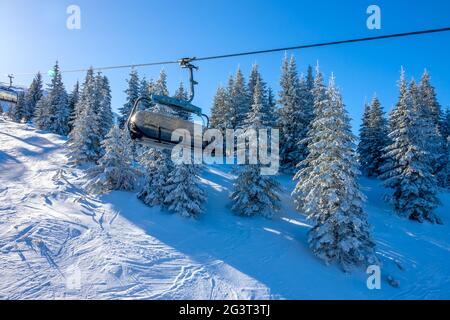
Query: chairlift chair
point(154, 127)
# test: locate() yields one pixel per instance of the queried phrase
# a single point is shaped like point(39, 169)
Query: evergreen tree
point(327, 189)
point(408, 172)
point(230, 111)
point(160, 88)
point(294, 116)
point(161, 84)
point(184, 195)
point(144, 92)
point(85, 138)
point(240, 98)
point(253, 193)
point(115, 169)
point(182, 94)
point(132, 93)
point(72, 102)
point(258, 116)
point(218, 109)
point(446, 137)
point(373, 139)
point(16, 110)
point(431, 123)
point(272, 107)
point(105, 112)
point(57, 103)
point(41, 114)
point(32, 97)
point(255, 76)
point(157, 166)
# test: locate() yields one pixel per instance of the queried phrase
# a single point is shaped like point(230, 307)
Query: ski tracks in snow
point(58, 242)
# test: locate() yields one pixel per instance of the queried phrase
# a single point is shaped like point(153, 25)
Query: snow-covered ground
point(56, 241)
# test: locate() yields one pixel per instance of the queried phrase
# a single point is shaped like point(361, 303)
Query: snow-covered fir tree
point(258, 116)
point(41, 114)
point(132, 93)
point(32, 97)
point(230, 111)
point(85, 138)
point(446, 137)
point(220, 101)
point(114, 170)
point(182, 94)
point(157, 167)
point(407, 170)
point(161, 84)
point(255, 76)
point(240, 98)
point(144, 92)
point(294, 115)
point(327, 190)
point(272, 107)
point(57, 104)
point(72, 102)
point(105, 118)
point(431, 121)
point(372, 139)
point(255, 194)
point(184, 195)
point(16, 111)
point(160, 88)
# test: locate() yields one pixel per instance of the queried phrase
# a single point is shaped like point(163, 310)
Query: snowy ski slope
point(56, 241)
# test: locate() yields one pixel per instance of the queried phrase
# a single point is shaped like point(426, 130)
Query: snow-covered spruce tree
point(105, 118)
point(132, 93)
point(254, 194)
point(254, 77)
point(157, 167)
point(328, 188)
point(161, 84)
point(240, 98)
point(294, 115)
point(160, 88)
point(58, 108)
point(372, 139)
point(144, 92)
point(319, 102)
point(182, 94)
point(41, 114)
point(217, 120)
point(114, 170)
point(184, 195)
point(16, 111)
point(408, 172)
point(85, 138)
point(272, 107)
point(446, 137)
point(431, 119)
point(32, 97)
point(258, 116)
point(72, 102)
point(364, 145)
point(230, 112)
point(267, 97)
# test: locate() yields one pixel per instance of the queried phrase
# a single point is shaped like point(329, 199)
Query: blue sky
point(34, 35)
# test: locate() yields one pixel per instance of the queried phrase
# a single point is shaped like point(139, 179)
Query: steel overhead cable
point(231, 55)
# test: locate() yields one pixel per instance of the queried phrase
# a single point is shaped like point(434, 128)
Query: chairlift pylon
point(154, 128)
